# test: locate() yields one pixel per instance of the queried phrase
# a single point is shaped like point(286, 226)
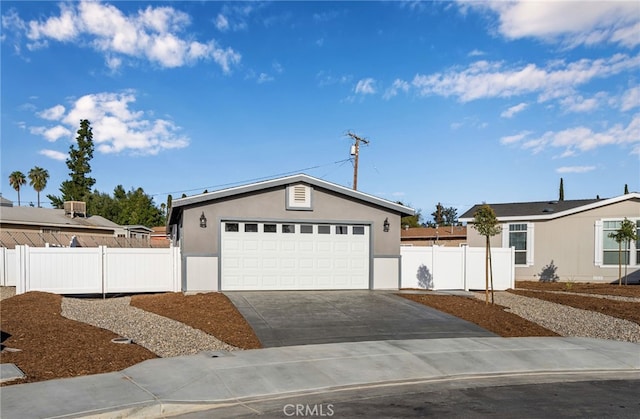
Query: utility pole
point(355, 152)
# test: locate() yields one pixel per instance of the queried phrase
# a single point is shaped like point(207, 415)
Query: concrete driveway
point(287, 318)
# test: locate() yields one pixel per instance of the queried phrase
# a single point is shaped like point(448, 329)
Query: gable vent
point(299, 197)
point(300, 193)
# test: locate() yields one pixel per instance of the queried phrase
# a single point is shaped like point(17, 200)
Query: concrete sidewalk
point(168, 386)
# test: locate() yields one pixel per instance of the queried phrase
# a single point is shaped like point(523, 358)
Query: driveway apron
point(287, 318)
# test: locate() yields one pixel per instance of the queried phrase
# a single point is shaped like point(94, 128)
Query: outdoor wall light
point(385, 225)
point(203, 220)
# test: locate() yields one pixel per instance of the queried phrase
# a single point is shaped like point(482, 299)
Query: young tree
point(624, 234)
point(38, 178)
point(561, 193)
point(486, 224)
point(78, 188)
point(16, 180)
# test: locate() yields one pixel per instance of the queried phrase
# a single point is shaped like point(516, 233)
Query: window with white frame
point(518, 240)
point(609, 252)
point(520, 237)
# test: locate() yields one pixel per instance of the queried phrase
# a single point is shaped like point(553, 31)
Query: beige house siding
point(568, 242)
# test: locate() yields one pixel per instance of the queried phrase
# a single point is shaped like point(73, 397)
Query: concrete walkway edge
point(168, 386)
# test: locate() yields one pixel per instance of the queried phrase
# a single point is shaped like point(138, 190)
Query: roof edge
point(301, 177)
point(571, 211)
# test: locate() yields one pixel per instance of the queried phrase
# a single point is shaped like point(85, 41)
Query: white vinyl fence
point(95, 270)
point(455, 268)
point(8, 268)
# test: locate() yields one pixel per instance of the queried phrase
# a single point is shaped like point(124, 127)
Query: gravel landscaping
point(45, 344)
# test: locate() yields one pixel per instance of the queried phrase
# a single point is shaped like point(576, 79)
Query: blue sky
point(462, 102)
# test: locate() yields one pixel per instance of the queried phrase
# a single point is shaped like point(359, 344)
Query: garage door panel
point(259, 260)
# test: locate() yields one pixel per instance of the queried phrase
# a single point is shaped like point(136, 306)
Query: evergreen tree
point(561, 197)
point(38, 178)
point(438, 215)
point(16, 180)
point(169, 200)
point(78, 188)
point(626, 189)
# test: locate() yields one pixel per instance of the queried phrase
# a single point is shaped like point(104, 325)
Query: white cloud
point(365, 86)
point(116, 126)
point(476, 53)
point(264, 78)
point(397, 86)
point(581, 139)
point(575, 169)
point(571, 23)
point(155, 34)
point(578, 103)
point(325, 79)
point(484, 79)
point(630, 99)
point(52, 114)
point(55, 155)
point(512, 139)
point(514, 110)
point(222, 23)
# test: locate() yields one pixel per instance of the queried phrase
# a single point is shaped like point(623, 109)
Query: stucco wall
point(570, 243)
point(270, 205)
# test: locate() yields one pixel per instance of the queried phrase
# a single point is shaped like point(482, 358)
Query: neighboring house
point(4, 202)
point(39, 227)
point(434, 236)
point(159, 236)
point(566, 238)
point(290, 233)
point(135, 232)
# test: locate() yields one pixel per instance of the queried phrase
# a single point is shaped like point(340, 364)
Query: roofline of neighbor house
point(252, 187)
point(48, 225)
point(571, 211)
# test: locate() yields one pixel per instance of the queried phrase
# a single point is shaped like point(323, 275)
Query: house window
point(518, 240)
point(611, 248)
point(342, 230)
point(231, 227)
point(251, 228)
point(324, 229)
point(288, 228)
point(269, 228)
point(306, 229)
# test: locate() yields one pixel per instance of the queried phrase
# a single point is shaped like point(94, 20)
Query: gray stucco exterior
point(268, 202)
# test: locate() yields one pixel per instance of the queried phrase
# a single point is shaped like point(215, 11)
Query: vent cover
point(299, 197)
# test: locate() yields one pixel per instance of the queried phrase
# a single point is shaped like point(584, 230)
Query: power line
point(252, 180)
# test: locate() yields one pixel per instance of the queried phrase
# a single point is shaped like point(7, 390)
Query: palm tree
point(16, 180)
point(38, 179)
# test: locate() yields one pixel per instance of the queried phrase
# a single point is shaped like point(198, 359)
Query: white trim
point(598, 257)
point(599, 247)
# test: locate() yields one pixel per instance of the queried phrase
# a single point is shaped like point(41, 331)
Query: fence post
point(3, 271)
point(21, 266)
point(464, 268)
point(102, 250)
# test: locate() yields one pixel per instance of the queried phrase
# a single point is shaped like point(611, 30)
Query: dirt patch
point(52, 346)
point(582, 287)
point(490, 317)
point(212, 313)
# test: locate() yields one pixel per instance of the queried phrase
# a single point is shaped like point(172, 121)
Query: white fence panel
point(440, 268)
point(8, 267)
point(139, 270)
point(64, 270)
point(448, 268)
point(96, 270)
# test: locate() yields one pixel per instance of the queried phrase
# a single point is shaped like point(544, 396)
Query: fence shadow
point(425, 278)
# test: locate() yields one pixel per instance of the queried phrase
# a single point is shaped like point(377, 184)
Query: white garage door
point(282, 256)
